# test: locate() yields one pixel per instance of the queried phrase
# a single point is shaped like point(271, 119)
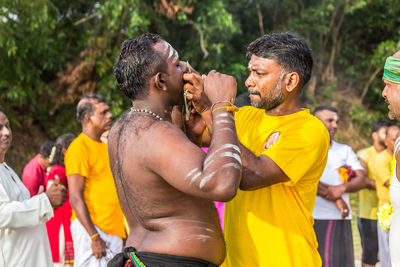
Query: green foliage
point(362, 117)
point(54, 51)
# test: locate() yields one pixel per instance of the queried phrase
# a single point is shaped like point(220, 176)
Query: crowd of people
point(148, 189)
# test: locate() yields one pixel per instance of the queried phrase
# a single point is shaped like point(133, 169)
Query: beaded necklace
point(148, 112)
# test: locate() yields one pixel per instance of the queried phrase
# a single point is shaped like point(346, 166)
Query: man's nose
point(5, 131)
point(384, 92)
point(249, 82)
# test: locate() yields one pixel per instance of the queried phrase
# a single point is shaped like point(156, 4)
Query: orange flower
point(343, 173)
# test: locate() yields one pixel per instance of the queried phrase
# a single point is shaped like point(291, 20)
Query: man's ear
point(87, 119)
point(160, 81)
point(293, 81)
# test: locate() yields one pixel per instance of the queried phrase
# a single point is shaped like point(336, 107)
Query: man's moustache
point(254, 93)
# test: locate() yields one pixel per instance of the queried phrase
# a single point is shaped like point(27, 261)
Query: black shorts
point(369, 240)
point(150, 259)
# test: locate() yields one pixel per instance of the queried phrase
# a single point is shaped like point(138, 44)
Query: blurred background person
point(382, 164)
point(368, 200)
point(332, 213)
point(58, 227)
point(35, 171)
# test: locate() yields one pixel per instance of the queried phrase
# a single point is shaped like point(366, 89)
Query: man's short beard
point(269, 103)
point(394, 116)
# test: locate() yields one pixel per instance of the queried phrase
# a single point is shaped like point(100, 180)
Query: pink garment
point(33, 175)
point(220, 206)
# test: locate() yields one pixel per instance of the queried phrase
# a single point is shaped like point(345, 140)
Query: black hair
point(87, 107)
point(325, 107)
point(378, 125)
point(288, 49)
point(136, 63)
point(45, 148)
point(63, 141)
point(2, 110)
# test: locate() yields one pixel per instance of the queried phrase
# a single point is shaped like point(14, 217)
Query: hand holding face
point(195, 90)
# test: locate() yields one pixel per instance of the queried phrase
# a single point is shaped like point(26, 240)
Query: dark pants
point(335, 242)
point(369, 240)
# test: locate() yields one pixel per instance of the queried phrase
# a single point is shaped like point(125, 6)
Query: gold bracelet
point(93, 236)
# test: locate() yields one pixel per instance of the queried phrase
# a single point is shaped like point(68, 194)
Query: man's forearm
point(259, 172)
point(358, 183)
point(82, 213)
point(322, 190)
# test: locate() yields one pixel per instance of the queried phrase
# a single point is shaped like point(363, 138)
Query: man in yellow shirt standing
point(381, 173)
point(284, 152)
point(97, 225)
point(368, 201)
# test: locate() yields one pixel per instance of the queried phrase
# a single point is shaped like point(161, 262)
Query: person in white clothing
point(391, 94)
point(332, 214)
point(23, 235)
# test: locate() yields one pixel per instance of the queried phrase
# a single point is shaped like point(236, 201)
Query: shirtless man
point(164, 181)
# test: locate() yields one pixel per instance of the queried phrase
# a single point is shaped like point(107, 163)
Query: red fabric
point(33, 175)
point(62, 216)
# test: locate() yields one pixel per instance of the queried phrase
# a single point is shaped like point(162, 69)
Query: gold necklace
point(148, 112)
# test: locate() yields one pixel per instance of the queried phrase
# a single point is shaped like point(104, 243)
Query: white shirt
point(338, 155)
point(23, 234)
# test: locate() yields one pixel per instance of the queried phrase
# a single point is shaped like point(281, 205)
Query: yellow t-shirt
point(89, 159)
point(273, 226)
point(381, 172)
point(368, 206)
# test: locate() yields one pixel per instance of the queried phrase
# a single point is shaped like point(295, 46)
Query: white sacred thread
point(206, 179)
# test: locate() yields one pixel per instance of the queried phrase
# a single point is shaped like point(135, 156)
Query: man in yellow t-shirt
point(97, 226)
point(284, 152)
point(368, 201)
point(381, 173)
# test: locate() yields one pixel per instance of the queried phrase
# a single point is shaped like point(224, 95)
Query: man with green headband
point(391, 93)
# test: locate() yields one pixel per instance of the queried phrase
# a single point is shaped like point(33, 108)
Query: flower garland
point(385, 215)
point(385, 212)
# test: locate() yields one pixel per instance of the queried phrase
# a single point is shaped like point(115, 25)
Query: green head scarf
point(391, 71)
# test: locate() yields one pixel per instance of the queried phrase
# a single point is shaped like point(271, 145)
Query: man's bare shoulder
point(136, 125)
